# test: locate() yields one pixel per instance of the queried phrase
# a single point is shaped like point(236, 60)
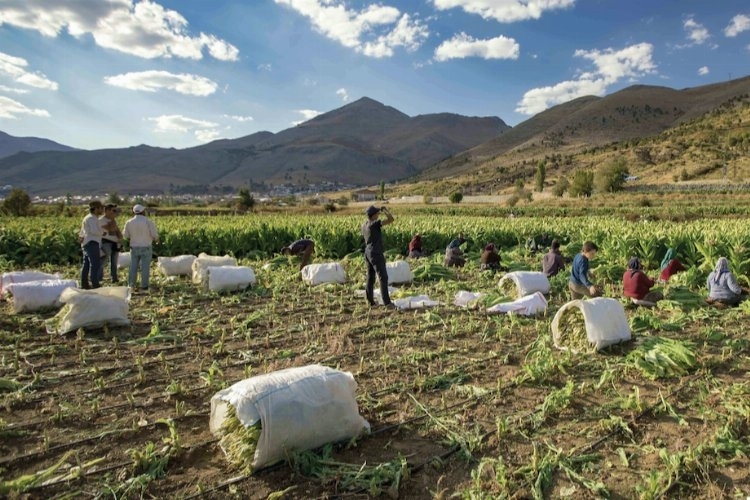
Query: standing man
point(110, 239)
point(90, 237)
point(374, 257)
point(303, 248)
point(141, 232)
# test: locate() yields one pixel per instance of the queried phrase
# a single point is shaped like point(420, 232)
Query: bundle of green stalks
point(239, 442)
point(660, 357)
point(572, 330)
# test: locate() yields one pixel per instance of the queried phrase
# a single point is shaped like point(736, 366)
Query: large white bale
point(34, 295)
point(527, 282)
point(525, 306)
point(317, 274)
point(22, 277)
point(606, 323)
point(123, 260)
point(91, 309)
point(399, 272)
point(299, 409)
point(204, 261)
point(229, 278)
point(180, 265)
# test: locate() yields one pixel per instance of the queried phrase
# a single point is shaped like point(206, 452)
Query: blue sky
point(177, 73)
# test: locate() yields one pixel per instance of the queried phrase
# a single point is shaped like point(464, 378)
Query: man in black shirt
point(374, 257)
point(303, 248)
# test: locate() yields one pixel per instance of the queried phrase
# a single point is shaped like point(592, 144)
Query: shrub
point(17, 203)
point(582, 184)
point(456, 197)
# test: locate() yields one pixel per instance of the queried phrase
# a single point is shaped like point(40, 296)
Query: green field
point(462, 404)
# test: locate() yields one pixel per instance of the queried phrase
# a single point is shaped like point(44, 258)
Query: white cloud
point(695, 31)
point(610, 66)
point(343, 94)
point(239, 118)
point(307, 114)
point(151, 81)
point(13, 90)
point(463, 45)
point(366, 31)
point(505, 11)
point(703, 70)
point(737, 25)
point(12, 109)
point(265, 67)
point(203, 130)
point(140, 28)
point(15, 68)
point(207, 135)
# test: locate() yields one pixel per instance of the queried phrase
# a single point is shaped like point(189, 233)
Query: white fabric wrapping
point(299, 409)
point(91, 309)
point(606, 323)
point(180, 265)
point(525, 306)
point(527, 282)
point(415, 302)
point(399, 272)
point(317, 274)
point(22, 277)
point(34, 295)
point(467, 299)
point(204, 261)
point(123, 260)
point(229, 278)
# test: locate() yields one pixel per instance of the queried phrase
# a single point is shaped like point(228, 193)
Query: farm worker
point(304, 248)
point(670, 265)
point(141, 233)
point(90, 237)
point(490, 259)
point(552, 262)
point(637, 285)
point(374, 257)
point(579, 285)
point(415, 247)
point(722, 285)
point(111, 238)
point(453, 255)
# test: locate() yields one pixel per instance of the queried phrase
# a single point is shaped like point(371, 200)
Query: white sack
point(181, 265)
point(35, 295)
point(399, 272)
point(605, 319)
point(525, 306)
point(91, 309)
point(527, 282)
point(299, 409)
point(229, 278)
point(415, 302)
point(317, 274)
point(203, 261)
point(467, 299)
point(123, 260)
point(22, 277)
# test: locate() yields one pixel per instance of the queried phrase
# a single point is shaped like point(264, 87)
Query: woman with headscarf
point(454, 257)
point(490, 259)
point(670, 265)
point(637, 285)
point(722, 285)
point(415, 247)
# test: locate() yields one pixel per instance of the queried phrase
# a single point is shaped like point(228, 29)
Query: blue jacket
point(580, 270)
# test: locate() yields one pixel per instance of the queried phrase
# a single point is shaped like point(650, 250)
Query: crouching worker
point(490, 259)
point(637, 285)
point(303, 248)
point(723, 288)
point(415, 247)
point(670, 265)
point(580, 285)
point(454, 257)
point(552, 262)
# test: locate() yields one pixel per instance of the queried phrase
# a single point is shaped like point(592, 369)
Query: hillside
point(10, 145)
point(361, 143)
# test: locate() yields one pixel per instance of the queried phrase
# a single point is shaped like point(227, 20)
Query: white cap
point(139, 209)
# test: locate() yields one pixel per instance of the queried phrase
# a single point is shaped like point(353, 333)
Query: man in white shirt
point(110, 240)
point(90, 237)
point(141, 233)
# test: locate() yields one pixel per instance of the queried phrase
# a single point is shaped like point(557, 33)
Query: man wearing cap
point(374, 257)
point(141, 233)
point(90, 237)
point(110, 239)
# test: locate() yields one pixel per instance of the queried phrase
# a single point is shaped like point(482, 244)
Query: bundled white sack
point(399, 272)
point(7, 279)
point(181, 265)
point(525, 306)
point(415, 302)
point(229, 278)
point(91, 309)
point(317, 274)
point(604, 321)
point(204, 261)
point(467, 299)
point(284, 411)
point(526, 283)
point(123, 260)
point(34, 295)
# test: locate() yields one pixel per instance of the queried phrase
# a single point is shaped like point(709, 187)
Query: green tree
point(17, 203)
point(582, 184)
point(610, 177)
point(561, 187)
point(115, 198)
point(246, 201)
point(541, 174)
point(456, 197)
